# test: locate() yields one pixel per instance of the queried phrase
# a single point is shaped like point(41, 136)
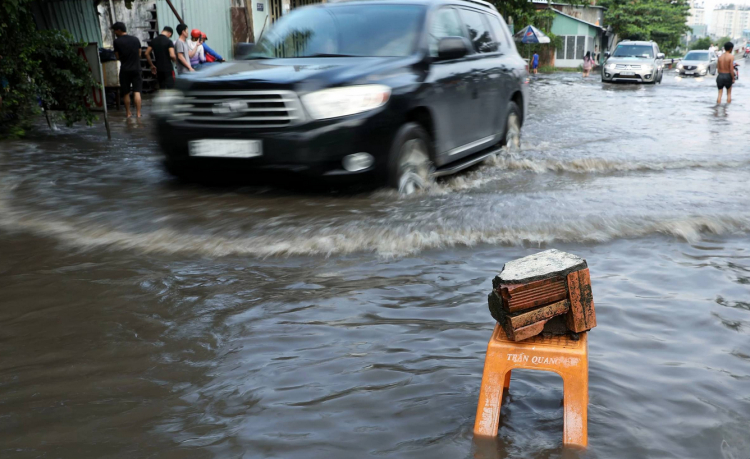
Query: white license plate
point(627, 73)
point(689, 73)
point(220, 148)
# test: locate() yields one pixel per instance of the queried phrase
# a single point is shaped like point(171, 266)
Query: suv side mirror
point(243, 49)
point(606, 54)
point(660, 56)
point(452, 48)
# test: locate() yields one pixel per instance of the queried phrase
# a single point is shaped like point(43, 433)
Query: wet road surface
point(141, 317)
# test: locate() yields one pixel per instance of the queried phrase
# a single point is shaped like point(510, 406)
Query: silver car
point(634, 61)
point(698, 63)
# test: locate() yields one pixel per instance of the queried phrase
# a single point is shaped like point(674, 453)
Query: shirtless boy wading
point(725, 69)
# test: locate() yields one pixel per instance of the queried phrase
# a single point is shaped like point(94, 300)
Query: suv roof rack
point(476, 2)
point(482, 3)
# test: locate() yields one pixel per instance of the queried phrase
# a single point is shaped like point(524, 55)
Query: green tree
point(701, 43)
point(38, 67)
point(662, 21)
point(720, 42)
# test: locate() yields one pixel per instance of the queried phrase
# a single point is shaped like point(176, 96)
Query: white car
point(698, 63)
point(635, 62)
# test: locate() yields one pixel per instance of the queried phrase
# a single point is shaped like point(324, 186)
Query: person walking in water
point(588, 63)
point(128, 51)
point(725, 69)
point(535, 63)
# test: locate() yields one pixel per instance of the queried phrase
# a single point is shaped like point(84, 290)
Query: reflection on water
point(143, 318)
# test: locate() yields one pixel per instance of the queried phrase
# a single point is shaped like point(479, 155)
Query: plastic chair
point(560, 354)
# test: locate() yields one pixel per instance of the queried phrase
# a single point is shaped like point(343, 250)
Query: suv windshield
point(634, 51)
point(693, 56)
point(351, 30)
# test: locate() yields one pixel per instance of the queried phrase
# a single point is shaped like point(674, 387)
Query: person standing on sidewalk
point(164, 55)
point(128, 52)
point(535, 63)
point(182, 50)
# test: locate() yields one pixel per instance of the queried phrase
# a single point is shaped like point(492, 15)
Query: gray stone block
point(543, 265)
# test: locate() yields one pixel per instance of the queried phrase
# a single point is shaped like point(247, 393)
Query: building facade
point(729, 22)
point(580, 29)
point(578, 37)
point(697, 16)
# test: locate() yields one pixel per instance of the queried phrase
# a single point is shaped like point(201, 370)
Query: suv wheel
point(409, 166)
point(176, 170)
point(512, 137)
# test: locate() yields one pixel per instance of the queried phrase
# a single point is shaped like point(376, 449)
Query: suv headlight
point(611, 66)
point(349, 100)
point(166, 102)
point(679, 66)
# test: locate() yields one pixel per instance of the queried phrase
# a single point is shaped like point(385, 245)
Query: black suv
point(400, 90)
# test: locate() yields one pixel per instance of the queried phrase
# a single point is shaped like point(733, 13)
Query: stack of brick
point(549, 292)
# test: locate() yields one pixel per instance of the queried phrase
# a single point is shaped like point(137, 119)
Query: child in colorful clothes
point(588, 64)
point(535, 63)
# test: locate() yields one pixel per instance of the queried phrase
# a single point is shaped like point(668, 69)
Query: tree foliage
point(39, 68)
point(706, 42)
point(701, 43)
point(663, 21)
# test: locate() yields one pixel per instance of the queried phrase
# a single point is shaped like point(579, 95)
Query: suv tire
point(179, 171)
point(512, 133)
point(409, 165)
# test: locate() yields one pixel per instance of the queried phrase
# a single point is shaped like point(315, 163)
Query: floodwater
point(140, 317)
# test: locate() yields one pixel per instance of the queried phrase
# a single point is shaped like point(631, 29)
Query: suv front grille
point(626, 67)
point(245, 109)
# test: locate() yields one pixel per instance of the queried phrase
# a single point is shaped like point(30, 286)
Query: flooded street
point(141, 317)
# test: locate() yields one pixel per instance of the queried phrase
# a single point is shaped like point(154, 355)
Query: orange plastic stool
point(564, 356)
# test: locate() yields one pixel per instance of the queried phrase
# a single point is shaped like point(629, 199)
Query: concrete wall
point(260, 10)
point(135, 18)
point(585, 13)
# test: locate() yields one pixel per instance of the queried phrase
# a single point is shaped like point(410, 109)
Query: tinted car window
point(479, 31)
point(696, 56)
point(497, 27)
point(352, 30)
point(634, 51)
point(445, 24)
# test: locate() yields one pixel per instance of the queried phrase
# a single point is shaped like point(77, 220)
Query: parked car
point(698, 63)
point(397, 91)
point(634, 62)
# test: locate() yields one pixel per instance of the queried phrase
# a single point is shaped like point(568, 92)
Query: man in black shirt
point(164, 55)
point(128, 52)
